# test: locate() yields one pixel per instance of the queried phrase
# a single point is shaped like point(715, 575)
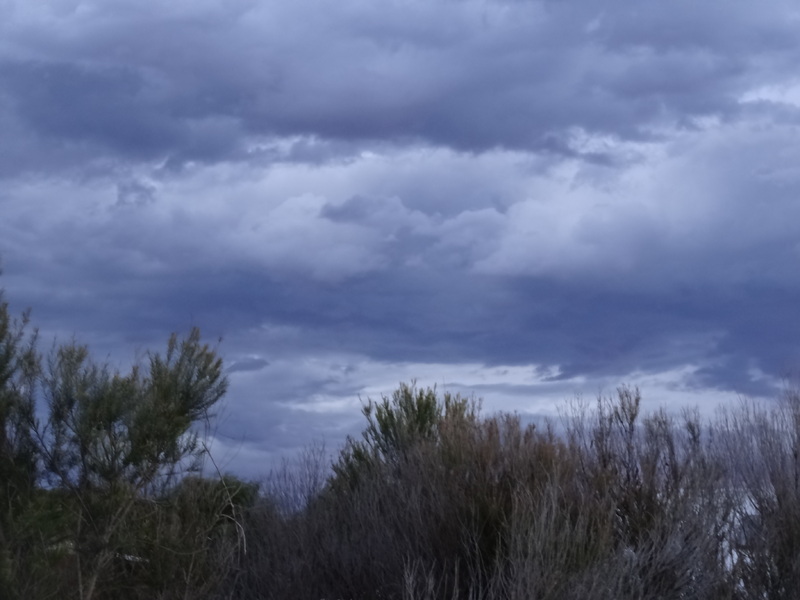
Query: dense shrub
point(94, 499)
point(436, 501)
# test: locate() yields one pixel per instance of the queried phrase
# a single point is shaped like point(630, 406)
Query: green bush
point(93, 467)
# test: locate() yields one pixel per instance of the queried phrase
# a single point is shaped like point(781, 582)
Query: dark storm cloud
point(468, 75)
point(436, 318)
point(111, 110)
point(86, 105)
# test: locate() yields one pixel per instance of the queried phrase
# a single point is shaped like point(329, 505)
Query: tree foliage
point(398, 423)
point(19, 375)
point(89, 456)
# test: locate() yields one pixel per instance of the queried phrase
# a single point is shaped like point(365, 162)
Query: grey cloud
point(246, 364)
point(427, 301)
point(135, 193)
point(488, 320)
point(79, 104)
point(355, 209)
point(516, 75)
point(113, 109)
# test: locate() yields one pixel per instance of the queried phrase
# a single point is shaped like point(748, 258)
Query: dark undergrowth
point(438, 502)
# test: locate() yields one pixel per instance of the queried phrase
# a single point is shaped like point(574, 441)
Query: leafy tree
point(19, 371)
point(111, 440)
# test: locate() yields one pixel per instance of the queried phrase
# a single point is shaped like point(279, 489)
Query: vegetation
point(95, 498)
point(101, 495)
point(438, 502)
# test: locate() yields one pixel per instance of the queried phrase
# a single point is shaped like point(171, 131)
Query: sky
point(525, 200)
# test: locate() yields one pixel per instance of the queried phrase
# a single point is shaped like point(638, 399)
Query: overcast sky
point(526, 200)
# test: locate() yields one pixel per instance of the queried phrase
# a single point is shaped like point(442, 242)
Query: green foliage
point(189, 539)
point(93, 472)
point(19, 370)
point(395, 425)
point(111, 431)
point(111, 440)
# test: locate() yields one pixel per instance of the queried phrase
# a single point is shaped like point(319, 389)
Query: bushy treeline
point(438, 502)
point(434, 501)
